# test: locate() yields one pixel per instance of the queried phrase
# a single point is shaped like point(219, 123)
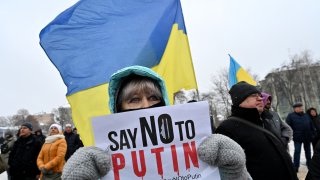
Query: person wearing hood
point(6, 147)
point(273, 121)
point(135, 88)
point(266, 158)
point(51, 157)
point(40, 136)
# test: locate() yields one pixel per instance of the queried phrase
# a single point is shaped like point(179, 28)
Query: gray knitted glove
point(87, 163)
point(221, 151)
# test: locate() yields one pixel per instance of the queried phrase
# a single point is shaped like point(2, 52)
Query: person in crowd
point(51, 157)
point(266, 157)
point(313, 114)
point(75, 131)
point(135, 88)
point(272, 119)
point(302, 127)
point(23, 156)
point(73, 141)
point(314, 166)
point(40, 136)
point(6, 147)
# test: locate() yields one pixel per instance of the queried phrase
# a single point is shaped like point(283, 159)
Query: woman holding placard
point(138, 87)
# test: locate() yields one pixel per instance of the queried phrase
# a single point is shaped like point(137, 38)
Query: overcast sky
point(260, 35)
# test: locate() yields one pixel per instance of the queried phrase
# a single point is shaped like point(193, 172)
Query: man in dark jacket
point(302, 127)
point(272, 119)
point(266, 156)
point(73, 141)
point(24, 154)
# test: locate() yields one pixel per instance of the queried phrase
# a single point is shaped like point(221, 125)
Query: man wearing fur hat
point(266, 156)
point(23, 156)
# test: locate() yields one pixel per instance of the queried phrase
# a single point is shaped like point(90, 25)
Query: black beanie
point(28, 125)
point(240, 91)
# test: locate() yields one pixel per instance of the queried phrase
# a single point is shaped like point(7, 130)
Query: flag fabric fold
point(238, 74)
point(93, 39)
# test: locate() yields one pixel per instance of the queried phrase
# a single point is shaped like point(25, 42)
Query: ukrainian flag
point(238, 74)
point(95, 38)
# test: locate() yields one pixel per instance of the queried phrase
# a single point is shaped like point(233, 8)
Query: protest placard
point(156, 143)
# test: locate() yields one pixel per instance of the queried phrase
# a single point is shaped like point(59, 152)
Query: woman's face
point(54, 131)
point(313, 113)
point(140, 100)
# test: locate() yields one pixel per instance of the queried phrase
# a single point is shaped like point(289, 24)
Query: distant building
point(290, 85)
point(45, 118)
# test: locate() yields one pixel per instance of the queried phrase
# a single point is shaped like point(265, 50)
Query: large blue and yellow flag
point(93, 39)
point(238, 74)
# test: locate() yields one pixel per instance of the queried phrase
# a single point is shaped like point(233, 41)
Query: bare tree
point(3, 121)
point(23, 112)
point(180, 97)
point(63, 115)
point(220, 89)
point(295, 81)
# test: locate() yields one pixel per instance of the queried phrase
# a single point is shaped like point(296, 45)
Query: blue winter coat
point(301, 125)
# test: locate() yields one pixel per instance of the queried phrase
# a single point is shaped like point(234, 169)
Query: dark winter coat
point(302, 127)
point(316, 125)
point(41, 137)
point(314, 166)
point(281, 129)
point(266, 156)
point(73, 143)
point(23, 158)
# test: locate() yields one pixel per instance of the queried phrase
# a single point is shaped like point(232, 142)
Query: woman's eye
point(134, 100)
point(153, 98)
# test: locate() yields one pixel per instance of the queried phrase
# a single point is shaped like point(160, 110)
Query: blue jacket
point(301, 125)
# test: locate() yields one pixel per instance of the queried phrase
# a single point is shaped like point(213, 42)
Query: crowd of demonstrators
point(274, 123)
point(303, 131)
point(51, 157)
point(6, 147)
point(23, 156)
point(73, 141)
point(266, 155)
point(28, 155)
point(135, 88)
point(250, 144)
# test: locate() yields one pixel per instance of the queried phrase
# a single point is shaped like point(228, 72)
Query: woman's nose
point(145, 103)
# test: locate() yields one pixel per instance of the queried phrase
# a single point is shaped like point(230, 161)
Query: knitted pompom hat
point(87, 163)
point(221, 151)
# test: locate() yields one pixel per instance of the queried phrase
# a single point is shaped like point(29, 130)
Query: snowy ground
point(302, 171)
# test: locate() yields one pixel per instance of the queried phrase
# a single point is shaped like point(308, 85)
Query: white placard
point(156, 143)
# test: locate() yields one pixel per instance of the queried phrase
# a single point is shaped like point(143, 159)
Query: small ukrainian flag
point(238, 74)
